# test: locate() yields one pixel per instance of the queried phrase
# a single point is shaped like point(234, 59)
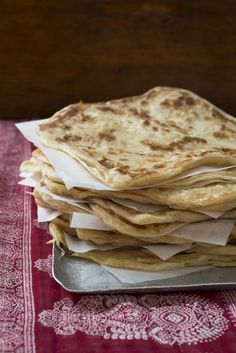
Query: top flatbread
point(143, 140)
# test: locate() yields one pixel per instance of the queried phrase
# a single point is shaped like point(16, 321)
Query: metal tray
point(82, 276)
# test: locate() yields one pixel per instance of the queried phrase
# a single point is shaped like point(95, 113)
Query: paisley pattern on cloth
point(44, 265)
point(166, 319)
point(230, 301)
point(16, 292)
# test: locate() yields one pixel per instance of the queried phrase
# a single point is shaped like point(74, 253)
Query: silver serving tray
point(83, 276)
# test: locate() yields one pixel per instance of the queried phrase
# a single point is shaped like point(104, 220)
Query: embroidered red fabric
point(38, 316)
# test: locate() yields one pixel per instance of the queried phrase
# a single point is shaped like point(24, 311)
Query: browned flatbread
point(31, 165)
point(177, 131)
point(199, 180)
point(45, 200)
point(144, 260)
point(137, 258)
point(150, 231)
point(218, 197)
point(101, 237)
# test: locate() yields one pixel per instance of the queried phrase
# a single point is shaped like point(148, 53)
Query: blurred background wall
point(53, 53)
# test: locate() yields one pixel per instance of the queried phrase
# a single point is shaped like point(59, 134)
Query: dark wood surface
point(53, 53)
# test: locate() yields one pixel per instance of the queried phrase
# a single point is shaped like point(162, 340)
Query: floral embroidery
point(44, 265)
point(166, 319)
point(16, 296)
point(230, 300)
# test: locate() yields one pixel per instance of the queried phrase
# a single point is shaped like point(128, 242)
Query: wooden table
point(53, 53)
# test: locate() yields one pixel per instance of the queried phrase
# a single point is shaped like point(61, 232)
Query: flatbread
point(135, 217)
point(217, 250)
point(218, 197)
point(64, 225)
point(44, 200)
point(143, 140)
point(101, 237)
point(142, 259)
point(203, 179)
point(77, 193)
point(113, 238)
point(31, 165)
point(151, 231)
point(199, 180)
point(167, 215)
point(49, 172)
point(40, 156)
point(160, 216)
point(57, 233)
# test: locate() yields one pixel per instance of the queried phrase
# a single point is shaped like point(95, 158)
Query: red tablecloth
point(37, 315)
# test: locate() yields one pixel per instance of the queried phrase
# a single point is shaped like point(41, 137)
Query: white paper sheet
point(137, 206)
point(164, 252)
point(150, 208)
point(131, 276)
point(213, 232)
point(128, 276)
point(27, 174)
point(87, 221)
point(75, 175)
point(68, 169)
point(82, 246)
point(71, 172)
point(198, 170)
point(32, 181)
point(69, 200)
point(212, 214)
point(47, 214)
point(28, 130)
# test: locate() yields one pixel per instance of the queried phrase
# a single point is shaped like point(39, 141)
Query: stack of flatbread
point(145, 183)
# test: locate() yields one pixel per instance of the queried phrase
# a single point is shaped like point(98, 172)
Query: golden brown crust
point(143, 140)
